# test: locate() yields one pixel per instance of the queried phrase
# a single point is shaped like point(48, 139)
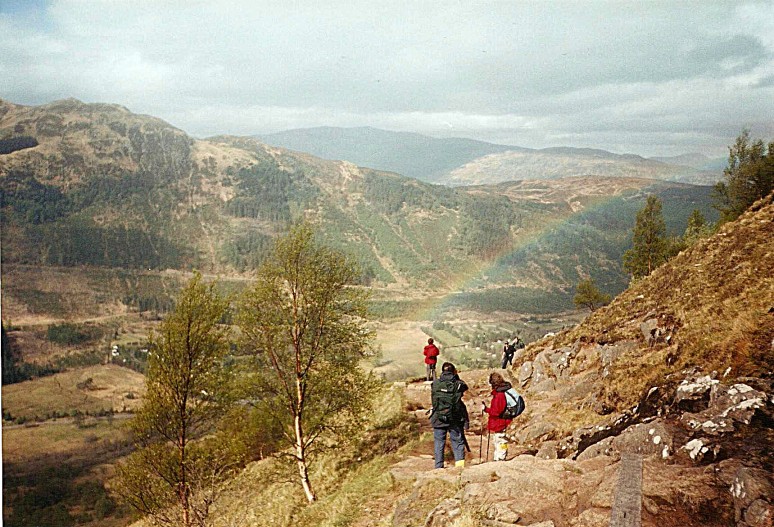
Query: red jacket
point(431, 352)
point(496, 407)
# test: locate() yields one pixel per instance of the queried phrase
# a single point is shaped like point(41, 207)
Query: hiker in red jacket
point(497, 425)
point(431, 357)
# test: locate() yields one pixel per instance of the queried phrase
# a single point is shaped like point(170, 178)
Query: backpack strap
point(515, 401)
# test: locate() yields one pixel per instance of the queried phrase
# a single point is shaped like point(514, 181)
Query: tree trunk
point(303, 470)
point(183, 485)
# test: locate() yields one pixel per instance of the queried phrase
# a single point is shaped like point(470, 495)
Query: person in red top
point(431, 358)
point(497, 425)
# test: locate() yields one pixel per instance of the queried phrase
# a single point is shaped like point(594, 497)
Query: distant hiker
point(449, 414)
point(509, 350)
point(496, 424)
point(431, 358)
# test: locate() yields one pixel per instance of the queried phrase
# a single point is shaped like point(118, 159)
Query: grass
point(61, 395)
point(352, 488)
point(55, 474)
point(714, 298)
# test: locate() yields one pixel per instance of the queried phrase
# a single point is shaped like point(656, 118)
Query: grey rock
point(749, 485)
point(503, 513)
point(545, 385)
point(600, 448)
point(548, 450)
point(535, 430)
point(646, 439)
point(444, 513)
point(560, 362)
point(649, 328)
point(525, 373)
point(696, 388)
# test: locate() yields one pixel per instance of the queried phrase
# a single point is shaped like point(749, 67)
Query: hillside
point(670, 384)
point(96, 185)
point(458, 161)
point(552, 163)
point(413, 155)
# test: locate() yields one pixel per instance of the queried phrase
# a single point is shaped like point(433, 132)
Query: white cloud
point(626, 76)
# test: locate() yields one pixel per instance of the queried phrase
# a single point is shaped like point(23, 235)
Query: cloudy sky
point(646, 77)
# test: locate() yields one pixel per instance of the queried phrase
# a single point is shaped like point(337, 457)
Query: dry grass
point(24, 445)
point(45, 396)
point(715, 296)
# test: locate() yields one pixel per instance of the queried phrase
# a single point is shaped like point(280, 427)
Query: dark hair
point(448, 366)
point(496, 380)
point(430, 340)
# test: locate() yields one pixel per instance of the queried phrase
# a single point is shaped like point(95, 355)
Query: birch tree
point(181, 460)
point(305, 323)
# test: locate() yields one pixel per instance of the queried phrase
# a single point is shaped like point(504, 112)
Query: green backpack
point(447, 399)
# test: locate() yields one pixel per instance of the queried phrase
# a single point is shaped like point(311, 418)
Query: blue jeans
point(457, 443)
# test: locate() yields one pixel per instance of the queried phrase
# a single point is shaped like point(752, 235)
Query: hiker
point(509, 350)
point(449, 414)
point(431, 357)
point(496, 424)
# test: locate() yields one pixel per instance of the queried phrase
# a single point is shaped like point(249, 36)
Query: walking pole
point(481, 437)
point(487, 445)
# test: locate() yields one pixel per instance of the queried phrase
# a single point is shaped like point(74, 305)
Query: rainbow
point(433, 307)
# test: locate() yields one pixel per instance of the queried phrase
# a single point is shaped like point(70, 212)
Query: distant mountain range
point(455, 161)
point(96, 185)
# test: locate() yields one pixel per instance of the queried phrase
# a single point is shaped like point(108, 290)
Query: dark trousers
point(507, 359)
point(456, 438)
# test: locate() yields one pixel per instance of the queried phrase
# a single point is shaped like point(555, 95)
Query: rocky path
point(628, 483)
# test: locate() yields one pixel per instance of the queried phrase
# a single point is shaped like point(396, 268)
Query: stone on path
point(627, 506)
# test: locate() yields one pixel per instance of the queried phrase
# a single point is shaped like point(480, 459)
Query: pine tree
point(175, 473)
point(588, 295)
point(696, 229)
point(650, 245)
point(305, 323)
point(749, 176)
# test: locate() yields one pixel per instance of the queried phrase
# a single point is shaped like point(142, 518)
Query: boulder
point(534, 490)
point(728, 406)
point(545, 385)
point(525, 373)
point(749, 485)
point(693, 395)
point(600, 448)
point(560, 361)
point(541, 367)
point(548, 450)
point(646, 439)
point(444, 513)
point(760, 513)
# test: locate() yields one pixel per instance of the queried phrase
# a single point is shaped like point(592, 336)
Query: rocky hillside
point(96, 185)
point(660, 405)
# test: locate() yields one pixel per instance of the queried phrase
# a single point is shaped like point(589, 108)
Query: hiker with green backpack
point(449, 415)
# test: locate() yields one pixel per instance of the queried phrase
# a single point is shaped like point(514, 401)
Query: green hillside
point(110, 189)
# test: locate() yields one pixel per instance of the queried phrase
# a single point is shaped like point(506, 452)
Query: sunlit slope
point(96, 185)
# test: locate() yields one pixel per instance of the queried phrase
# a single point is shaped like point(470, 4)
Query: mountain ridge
point(100, 174)
point(415, 155)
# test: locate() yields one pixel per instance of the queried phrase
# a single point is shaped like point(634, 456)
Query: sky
point(645, 77)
